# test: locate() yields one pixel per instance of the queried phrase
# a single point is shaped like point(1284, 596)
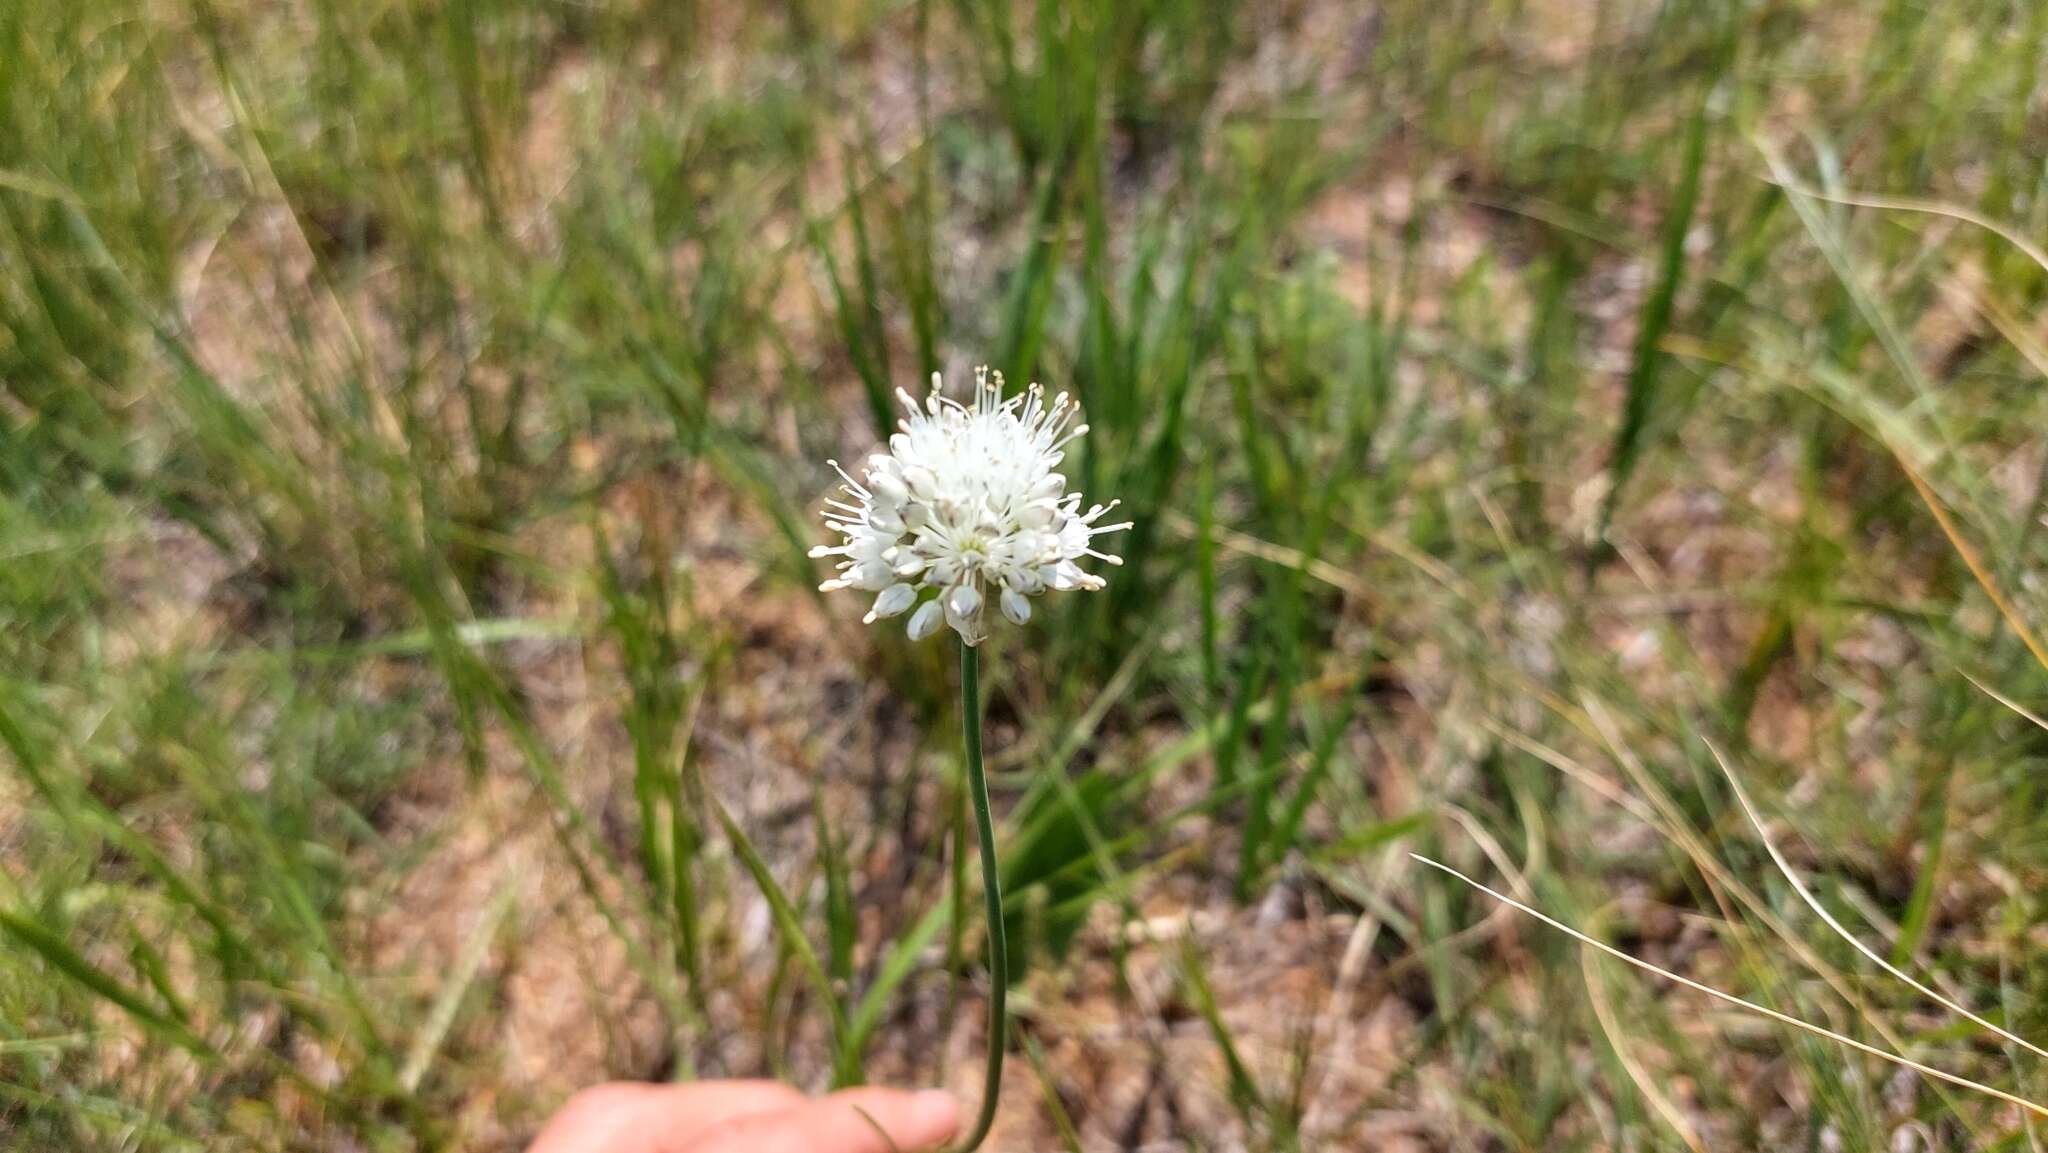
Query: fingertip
point(935, 1114)
point(911, 1121)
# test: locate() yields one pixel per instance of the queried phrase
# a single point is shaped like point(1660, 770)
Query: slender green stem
point(992, 893)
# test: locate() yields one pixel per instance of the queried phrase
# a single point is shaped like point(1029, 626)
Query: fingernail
point(936, 1111)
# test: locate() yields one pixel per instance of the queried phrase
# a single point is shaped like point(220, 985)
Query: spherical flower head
point(967, 508)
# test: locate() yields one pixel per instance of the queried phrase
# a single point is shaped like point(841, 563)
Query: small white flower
point(967, 506)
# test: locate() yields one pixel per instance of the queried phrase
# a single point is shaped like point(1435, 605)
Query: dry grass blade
point(1738, 1002)
point(1928, 207)
point(1908, 366)
point(1330, 574)
point(2007, 701)
point(1646, 1084)
point(1975, 563)
point(1785, 867)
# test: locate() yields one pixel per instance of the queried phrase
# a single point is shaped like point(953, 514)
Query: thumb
point(850, 1121)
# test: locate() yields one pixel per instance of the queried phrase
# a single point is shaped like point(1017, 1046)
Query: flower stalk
point(992, 895)
point(968, 508)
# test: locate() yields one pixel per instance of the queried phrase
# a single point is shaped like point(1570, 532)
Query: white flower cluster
point(967, 505)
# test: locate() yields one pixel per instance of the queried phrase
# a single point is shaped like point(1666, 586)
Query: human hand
point(747, 1117)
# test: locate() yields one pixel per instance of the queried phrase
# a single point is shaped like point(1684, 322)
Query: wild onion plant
point(968, 505)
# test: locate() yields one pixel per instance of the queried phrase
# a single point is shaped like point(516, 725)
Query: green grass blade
point(789, 926)
point(68, 962)
point(1648, 362)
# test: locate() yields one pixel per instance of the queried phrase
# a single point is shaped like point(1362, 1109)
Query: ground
point(416, 419)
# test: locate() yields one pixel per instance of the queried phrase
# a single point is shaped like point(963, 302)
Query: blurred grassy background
point(416, 706)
